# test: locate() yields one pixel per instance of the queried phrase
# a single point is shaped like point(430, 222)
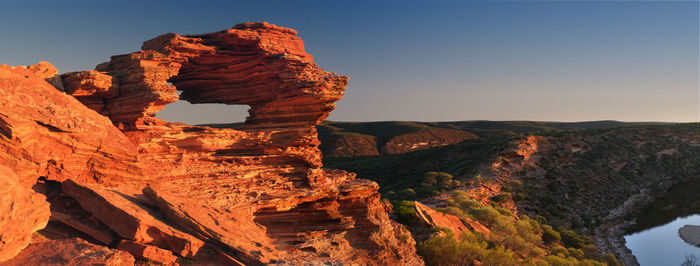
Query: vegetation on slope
point(581, 187)
point(513, 240)
point(585, 174)
point(350, 139)
point(402, 176)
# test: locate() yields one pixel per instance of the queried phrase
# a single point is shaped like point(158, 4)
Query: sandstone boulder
point(436, 219)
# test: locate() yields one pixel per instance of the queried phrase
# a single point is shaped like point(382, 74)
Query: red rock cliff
point(252, 195)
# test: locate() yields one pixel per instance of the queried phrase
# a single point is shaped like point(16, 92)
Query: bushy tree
point(571, 239)
point(405, 211)
point(550, 236)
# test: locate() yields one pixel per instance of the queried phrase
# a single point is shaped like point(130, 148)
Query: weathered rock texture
point(69, 251)
point(252, 195)
point(436, 219)
point(22, 212)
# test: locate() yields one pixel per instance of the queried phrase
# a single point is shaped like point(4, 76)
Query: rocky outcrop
point(129, 219)
point(48, 72)
point(91, 87)
point(22, 212)
point(258, 64)
point(252, 195)
point(690, 234)
point(435, 219)
point(48, 133)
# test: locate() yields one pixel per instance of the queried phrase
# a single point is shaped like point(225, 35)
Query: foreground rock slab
point(130, 219)
point(71, 251)
point(690, 234)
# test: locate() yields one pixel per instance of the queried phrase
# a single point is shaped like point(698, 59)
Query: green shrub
point(446, 250)
point(558, 261)
point(461, 199)
point(503, 211)
point(590, 251)
point(576, 253)
point(405, 211)
point(503, 197)
point(451, 210)
point(498, 256)
point(561, 252)
point(541, 219)
point(571, 239)
point(534, 223)
point(610, 260)
point(550, 236)
point(408, 194)
point(486, 215)
point(516, 185)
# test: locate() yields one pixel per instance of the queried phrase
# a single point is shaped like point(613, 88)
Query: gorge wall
point(111, 172)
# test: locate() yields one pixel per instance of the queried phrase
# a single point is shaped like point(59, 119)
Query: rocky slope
point(598, 182)
point(116, 176)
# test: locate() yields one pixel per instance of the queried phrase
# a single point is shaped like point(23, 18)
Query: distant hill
point(358, 139)
point(350, 139)
point(488, 128)
point(353, 139)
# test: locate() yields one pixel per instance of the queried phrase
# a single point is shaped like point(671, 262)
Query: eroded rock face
point(22, 212)
point(436, 219)
point(252, 195)
point(91, 87)
point(71, 251)
point(48, 133)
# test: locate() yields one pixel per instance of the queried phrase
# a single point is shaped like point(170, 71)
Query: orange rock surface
point(254, 195)
point(70, 251)
point(436, 219)
point(22, 212)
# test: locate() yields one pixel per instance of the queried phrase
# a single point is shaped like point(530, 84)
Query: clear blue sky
point(416, 60)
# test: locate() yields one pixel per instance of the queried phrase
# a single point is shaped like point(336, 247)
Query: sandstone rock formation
point(23, 212)
point(69, 251)
point(435, 219)
point(253, 195)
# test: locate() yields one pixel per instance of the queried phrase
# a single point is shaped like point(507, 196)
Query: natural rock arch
point(195, 184)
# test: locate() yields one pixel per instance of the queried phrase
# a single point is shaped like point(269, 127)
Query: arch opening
point(207, 114)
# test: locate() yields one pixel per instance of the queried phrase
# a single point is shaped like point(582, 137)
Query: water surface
point(661, 245)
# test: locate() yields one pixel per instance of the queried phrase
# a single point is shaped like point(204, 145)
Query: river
point(655, 241)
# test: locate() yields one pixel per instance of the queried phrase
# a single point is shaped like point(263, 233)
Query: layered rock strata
point(69, 251)
point(253, 195)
